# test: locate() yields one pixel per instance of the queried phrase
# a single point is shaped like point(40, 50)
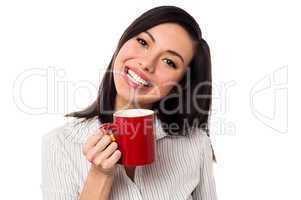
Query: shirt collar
point(78, 130)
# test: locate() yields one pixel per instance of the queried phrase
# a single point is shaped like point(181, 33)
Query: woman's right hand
point(102, 152)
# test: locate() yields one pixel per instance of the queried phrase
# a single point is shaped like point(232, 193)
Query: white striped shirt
point(182, 170)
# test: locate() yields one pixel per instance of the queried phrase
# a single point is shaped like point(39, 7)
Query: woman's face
point(151, 63)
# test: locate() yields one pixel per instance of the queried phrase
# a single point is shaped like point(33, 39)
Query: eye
point(170, 63)
point(142, 41)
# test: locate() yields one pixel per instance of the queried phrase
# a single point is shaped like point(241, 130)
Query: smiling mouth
point(136, 78)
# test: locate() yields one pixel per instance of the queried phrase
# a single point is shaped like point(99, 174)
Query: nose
point(147, 65)
point(147, 68)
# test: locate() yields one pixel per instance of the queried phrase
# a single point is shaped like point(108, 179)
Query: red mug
point(134, 133)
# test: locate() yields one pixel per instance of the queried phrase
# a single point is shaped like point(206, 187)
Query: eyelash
point(172, 64)
point(140, 39)
point(144, 43)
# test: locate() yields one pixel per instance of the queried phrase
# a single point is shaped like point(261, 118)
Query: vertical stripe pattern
point(183, 169)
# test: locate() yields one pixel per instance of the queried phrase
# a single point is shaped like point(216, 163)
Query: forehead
point(174, 37)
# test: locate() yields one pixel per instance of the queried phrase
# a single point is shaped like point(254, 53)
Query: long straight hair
point(193, 113)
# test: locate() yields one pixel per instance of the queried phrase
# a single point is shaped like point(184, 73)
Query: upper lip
point(139, 73)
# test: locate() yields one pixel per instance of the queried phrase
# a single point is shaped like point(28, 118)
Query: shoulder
point(200, 140)
point(72, 131)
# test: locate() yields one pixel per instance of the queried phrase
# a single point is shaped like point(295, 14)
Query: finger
point(100, 146)
point(112, 160)
point(105, 153)
point(92, 140)
point(103, 143)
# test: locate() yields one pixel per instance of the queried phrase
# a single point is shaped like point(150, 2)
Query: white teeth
point(137, 78)
point(133, 79)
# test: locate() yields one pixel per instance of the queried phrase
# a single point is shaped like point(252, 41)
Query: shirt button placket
point(135, 191)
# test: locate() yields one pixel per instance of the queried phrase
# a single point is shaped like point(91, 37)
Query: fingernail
point(112, 137)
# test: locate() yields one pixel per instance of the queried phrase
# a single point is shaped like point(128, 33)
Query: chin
point(140, 99)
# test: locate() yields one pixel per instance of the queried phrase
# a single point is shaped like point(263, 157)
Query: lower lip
point(133, 84)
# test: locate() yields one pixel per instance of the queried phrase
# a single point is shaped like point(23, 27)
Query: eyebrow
point(169, 51)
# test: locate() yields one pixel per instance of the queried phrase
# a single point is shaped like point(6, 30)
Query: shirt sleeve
point(206, 189)
point(57, 170)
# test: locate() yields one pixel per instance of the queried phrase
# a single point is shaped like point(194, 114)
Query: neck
point(121, 104)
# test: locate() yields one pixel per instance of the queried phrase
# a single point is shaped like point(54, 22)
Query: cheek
point(129, 50)
point(166, 82)
point(126, 52)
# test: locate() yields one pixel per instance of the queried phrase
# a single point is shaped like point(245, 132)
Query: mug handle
point(111, 128)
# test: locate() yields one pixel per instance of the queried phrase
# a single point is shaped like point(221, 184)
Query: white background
point(53, 53)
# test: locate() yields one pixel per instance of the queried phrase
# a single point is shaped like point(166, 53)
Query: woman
point(161, 63)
